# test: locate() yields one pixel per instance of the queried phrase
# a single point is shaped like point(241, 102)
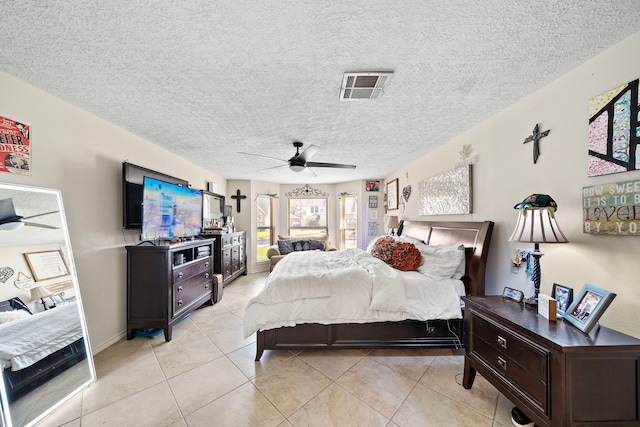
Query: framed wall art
point(373, 202)
point(392, 194)
point(373, 185)
point(446, 194)
point(47, 264)
point(587, 308)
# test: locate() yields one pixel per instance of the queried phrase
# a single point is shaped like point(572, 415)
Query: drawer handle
point(502, 363)
point(180, 302)
point(206, 286)
point(206, 276)
point(180, 275)
point(179, 288)
point(502, 342)
point(206, 264)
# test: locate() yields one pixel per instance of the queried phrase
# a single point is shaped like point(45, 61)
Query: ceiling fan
point(9, 220)
point(301, 160)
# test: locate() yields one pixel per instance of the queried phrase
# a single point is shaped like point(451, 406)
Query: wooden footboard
point(405, 334)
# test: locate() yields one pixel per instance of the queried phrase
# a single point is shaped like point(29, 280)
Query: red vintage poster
point(15, 147)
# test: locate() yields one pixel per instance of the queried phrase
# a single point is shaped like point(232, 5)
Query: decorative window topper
point(306, 191)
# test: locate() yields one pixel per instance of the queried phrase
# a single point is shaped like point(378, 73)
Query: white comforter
point(349, 286)
point(23, 342)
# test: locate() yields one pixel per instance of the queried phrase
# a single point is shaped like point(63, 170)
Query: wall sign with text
point(612, 208)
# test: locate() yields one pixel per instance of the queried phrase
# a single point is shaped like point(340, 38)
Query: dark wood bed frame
point(475, 236)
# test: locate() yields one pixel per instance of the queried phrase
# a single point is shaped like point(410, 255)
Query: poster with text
point(612, 208)
point(15, 147)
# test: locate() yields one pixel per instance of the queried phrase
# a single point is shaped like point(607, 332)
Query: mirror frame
point(209, 195)
point(6, 418)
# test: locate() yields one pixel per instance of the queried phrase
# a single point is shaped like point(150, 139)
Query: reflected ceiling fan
point(9, 220)
point(301, 161)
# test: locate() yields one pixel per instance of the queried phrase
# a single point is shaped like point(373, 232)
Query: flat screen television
point(170, 211)
point(132, 180)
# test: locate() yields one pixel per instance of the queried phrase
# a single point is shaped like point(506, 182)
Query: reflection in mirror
point(212, 211)
point(45, 356)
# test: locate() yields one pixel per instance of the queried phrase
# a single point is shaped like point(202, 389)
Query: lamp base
point(531, 302)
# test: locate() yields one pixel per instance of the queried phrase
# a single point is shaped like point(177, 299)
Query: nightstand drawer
point(513, 346)
point(525, 381)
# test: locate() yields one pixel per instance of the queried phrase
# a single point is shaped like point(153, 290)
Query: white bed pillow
point(10, 316)
point(442, 261)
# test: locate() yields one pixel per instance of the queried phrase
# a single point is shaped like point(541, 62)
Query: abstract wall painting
point(446, 194)
point(614, 131)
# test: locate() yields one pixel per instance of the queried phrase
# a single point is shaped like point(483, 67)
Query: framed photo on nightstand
point(564, 297)
point(587, 308)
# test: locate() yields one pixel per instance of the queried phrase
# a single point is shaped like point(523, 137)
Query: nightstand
point(553, 372)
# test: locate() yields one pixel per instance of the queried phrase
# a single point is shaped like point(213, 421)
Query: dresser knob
point(206, 276)
point(206, 264)
point(502, 342)
point(502, 363)
point(180, 302)
point(179, 288)
point(206, 286)
point(180, 275)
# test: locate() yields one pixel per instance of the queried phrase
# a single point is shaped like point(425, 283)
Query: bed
point(388, 328)
point(36, 347)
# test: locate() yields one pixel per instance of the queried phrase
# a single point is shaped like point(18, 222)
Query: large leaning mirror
point(45, 356)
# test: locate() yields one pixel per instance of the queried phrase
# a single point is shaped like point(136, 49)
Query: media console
point(166, 281)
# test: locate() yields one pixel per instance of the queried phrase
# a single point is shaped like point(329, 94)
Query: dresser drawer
point(191, 269)
point(187, 291)
point(513, 346)
point(514, 358)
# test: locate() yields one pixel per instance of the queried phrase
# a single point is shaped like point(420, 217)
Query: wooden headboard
point(475, 236)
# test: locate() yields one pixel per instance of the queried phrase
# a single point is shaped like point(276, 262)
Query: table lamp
point(39, 292)
point(537, 224)
point(392, 224)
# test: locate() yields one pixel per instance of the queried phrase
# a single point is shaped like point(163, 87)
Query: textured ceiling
point(207, 79)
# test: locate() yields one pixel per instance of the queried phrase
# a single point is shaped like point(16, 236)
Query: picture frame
point(392, 194)
point(373, 202)
point(373, 186)
point(57, 299)
point(588, 307)
point(47, 264)
point(564, 296)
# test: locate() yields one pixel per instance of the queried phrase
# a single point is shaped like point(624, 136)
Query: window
point(348, 222)
point(264, 209)
point(308, 217)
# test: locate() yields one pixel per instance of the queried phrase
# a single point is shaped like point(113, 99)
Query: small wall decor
point(614, 131)
point(392, 194)
point(447, 193)
point(612, 208)
point(373, 202)
point(23, 282)
point(373, 186)
point(15, 148)
point(238, 197)
point(46, 265)
point(587, 308)
point(5, 274)
point(406, 192)
point(536, 136)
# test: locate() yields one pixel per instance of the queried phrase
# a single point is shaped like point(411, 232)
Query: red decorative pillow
point(406, 257)
point(383, 248)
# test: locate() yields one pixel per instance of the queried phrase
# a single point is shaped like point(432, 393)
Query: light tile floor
point(206, 376)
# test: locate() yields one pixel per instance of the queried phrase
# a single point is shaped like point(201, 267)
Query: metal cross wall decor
point(536, 136)
point(238, 197)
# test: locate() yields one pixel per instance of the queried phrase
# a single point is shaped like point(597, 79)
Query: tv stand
point(167, 281)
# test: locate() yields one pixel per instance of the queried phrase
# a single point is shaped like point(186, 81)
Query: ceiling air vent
point(361, 86)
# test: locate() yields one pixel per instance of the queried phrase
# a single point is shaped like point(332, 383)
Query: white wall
point(504, 174)
point(82, 156)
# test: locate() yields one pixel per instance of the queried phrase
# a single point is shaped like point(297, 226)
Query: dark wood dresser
point(165, 282)
point(230, 255)
point(556, 374)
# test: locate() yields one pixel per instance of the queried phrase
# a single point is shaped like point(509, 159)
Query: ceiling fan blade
point(42, 214)
point(34, 224)
point(308, 153)
point(272, 167)
point(260, 155)
point(329, 165)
